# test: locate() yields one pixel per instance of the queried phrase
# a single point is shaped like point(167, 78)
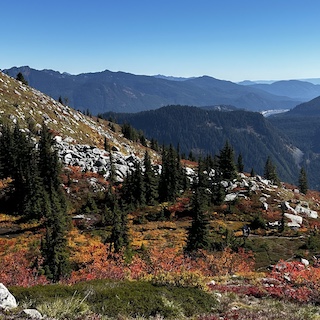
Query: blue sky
point(226, 39)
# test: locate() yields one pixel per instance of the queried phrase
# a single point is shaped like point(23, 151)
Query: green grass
point(114, 299)
point(269, 250)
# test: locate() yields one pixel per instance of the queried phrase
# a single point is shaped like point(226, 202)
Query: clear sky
point(226, 39)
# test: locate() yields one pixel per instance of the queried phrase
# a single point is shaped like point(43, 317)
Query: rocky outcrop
point(7, 300)
point(93, 159)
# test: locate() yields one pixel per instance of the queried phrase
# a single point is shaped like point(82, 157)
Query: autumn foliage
point(91, 259)
point(290, 281)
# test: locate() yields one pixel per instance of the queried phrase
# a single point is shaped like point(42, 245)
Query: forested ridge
point(205, 132)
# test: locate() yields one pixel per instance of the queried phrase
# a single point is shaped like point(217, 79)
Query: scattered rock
point(306, 211)
point(296, 220)
point(33, 313)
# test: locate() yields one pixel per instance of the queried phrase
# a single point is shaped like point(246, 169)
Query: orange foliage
point(17, 269)
point(91, 259)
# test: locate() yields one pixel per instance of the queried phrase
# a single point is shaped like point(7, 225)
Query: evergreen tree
point(49, 165)
point(120, 232)
point(150, 181)
point(169, 178)
point(21, 78)
point(54, 245)
point(7, 156)
point(34, 191)
point(226, 162)
point(270, 172)
point(154, 144)
point(303, 181)
point(240, 165)
point(217, 189)
point(113, 175)
point(133, 188)
point(138, 186)
point(198, 232)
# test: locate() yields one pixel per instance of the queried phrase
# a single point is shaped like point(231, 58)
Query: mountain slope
point(300, 90)
point(302, 126)
point(80, 139)
point(123, 92)
point(205, 131)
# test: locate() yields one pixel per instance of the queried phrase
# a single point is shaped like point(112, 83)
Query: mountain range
point(300, 90)
point(124, 92)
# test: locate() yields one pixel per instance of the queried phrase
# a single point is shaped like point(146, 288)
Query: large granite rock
point(7, 300)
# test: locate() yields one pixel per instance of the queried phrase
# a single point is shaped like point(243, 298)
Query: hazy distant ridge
point(124, 92)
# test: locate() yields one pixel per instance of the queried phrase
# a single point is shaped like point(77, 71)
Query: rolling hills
point(296, 89)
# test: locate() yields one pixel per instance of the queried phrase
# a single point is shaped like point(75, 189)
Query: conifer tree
point(7, 156)
point(198, 232)
point(113, 175)
point(270, 172)
point(154, 144)
point(217, 189)
point(21, 78)
point(169, 177)
point(303, 181)
point(120, 232)
point(138, 185)
point(49, 165)
point(34, 191)
point(150, 181)
point(226, 162)
point(240, 166)
point(54, 246)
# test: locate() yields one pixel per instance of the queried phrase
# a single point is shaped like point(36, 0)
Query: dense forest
point(302, 126)
point(203, 132)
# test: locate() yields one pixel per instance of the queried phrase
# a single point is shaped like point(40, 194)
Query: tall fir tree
point(240, 166)
point(169, 178)
point(120, 232)
point(150, 181)
point(49, 164)
point(198, 233)
point(270, 171)
point(226, 163)
point(303, 181)
point(54, 246)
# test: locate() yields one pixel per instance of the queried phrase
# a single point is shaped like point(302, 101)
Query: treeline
point(35, 192)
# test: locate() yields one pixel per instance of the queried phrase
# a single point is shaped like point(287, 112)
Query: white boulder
point(296, 221)
point(33, 313)
point(309, 213)
point(7, 300)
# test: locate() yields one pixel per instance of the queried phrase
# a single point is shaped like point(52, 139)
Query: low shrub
point(117, 298)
